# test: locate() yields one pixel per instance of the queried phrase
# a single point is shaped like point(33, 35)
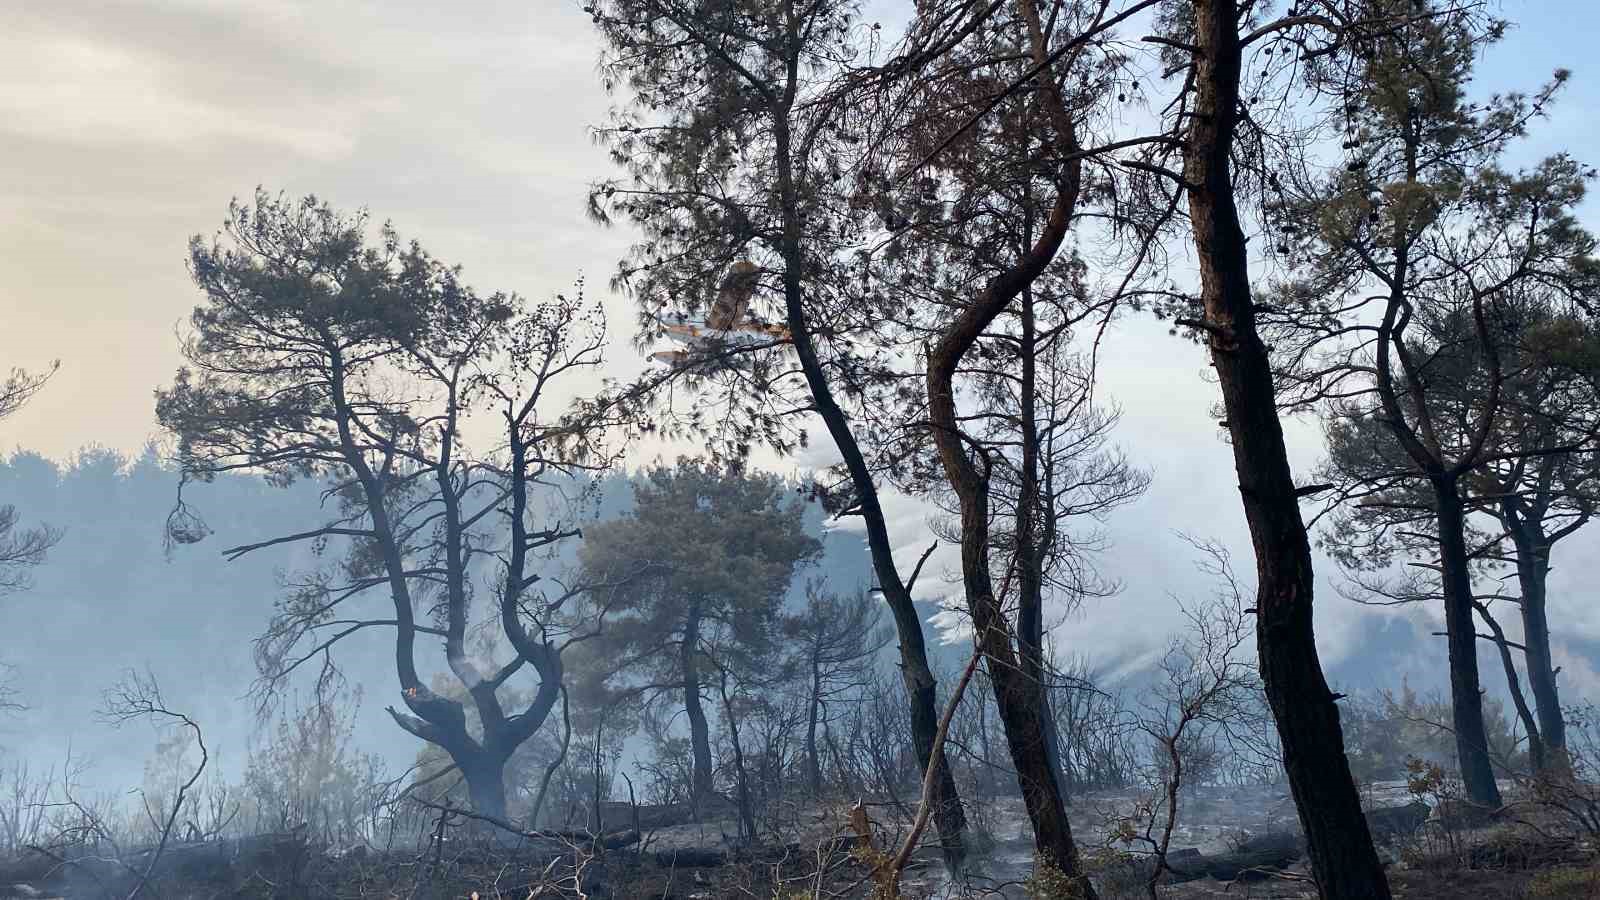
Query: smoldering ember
point(844, 450)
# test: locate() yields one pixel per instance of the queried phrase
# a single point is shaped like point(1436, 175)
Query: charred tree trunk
point(813, 712)
point(1052, 745)
point(699, 731)
point(1466, 692)
point(949, 818)
point(1036, 528)
point(1016, 694)
point(1016, 697)
point(1343, 859)
point(1533, 571)
point(747, 812)
point(486, 791)
point(1536, 746)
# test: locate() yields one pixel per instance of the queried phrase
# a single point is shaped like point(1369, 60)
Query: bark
point(1034, 534)
point(699, 731)
point(1343, 859)
point(1016, 698)
point(949, 817)
point(1466, 692)
point(486, 785)
point(1536, 748)
point(1533, 571)
point(813, 711)
point(486, 790)
point(1016, 694)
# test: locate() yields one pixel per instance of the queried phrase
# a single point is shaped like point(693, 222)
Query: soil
point(1497, 861)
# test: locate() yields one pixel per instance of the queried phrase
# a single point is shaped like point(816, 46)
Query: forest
point(768, 587)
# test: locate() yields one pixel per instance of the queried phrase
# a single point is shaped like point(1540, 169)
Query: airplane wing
point(725, 322)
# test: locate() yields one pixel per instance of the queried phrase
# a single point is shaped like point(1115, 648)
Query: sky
point(125, 127)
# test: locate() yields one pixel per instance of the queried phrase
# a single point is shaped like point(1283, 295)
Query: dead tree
point(138, 696)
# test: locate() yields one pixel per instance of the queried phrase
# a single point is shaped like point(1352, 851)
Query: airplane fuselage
point(696, 334)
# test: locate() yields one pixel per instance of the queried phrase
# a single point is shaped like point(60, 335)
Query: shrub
point(1565, 884)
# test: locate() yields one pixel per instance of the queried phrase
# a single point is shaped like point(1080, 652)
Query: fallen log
point(1397, 821)
point(652, 816)
point(29, 865)
point(1256, 858)
point(691, 857)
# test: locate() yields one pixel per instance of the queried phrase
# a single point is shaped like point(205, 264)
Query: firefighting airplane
point(725, 325)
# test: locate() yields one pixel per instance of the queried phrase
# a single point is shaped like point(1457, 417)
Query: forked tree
point(1543, 487)
point(1411, 251)
point(319, 353)
point(1533, 488)
point(984, 149)
point(994, 177)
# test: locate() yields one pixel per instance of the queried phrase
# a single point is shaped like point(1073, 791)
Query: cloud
point(126, 127)
point(78, 92)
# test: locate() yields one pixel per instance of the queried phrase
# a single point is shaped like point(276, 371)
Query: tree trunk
point(1052, 745)
point(949, 818)
point(1035, 528)
point(747, 813)
point(1533, 570)
point(1536, 748)
point(1343, 859)
point(813, 710)
point(1016, 697)
point(699, 731)
point(983, 778)
point(486, 790)
point(1016, 694)
point(1466, 693)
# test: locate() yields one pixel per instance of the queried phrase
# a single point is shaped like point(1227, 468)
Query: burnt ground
point(625, 874)
point(1488, 861)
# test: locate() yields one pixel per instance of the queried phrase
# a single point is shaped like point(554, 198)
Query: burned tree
point(1410, 255)
point(1542, 485)
point(319, 355)
point(1532, 489)
point(736, 148)
point(836, 639)
point(1205, 706)
point(993, 201)
point(1207, 43)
